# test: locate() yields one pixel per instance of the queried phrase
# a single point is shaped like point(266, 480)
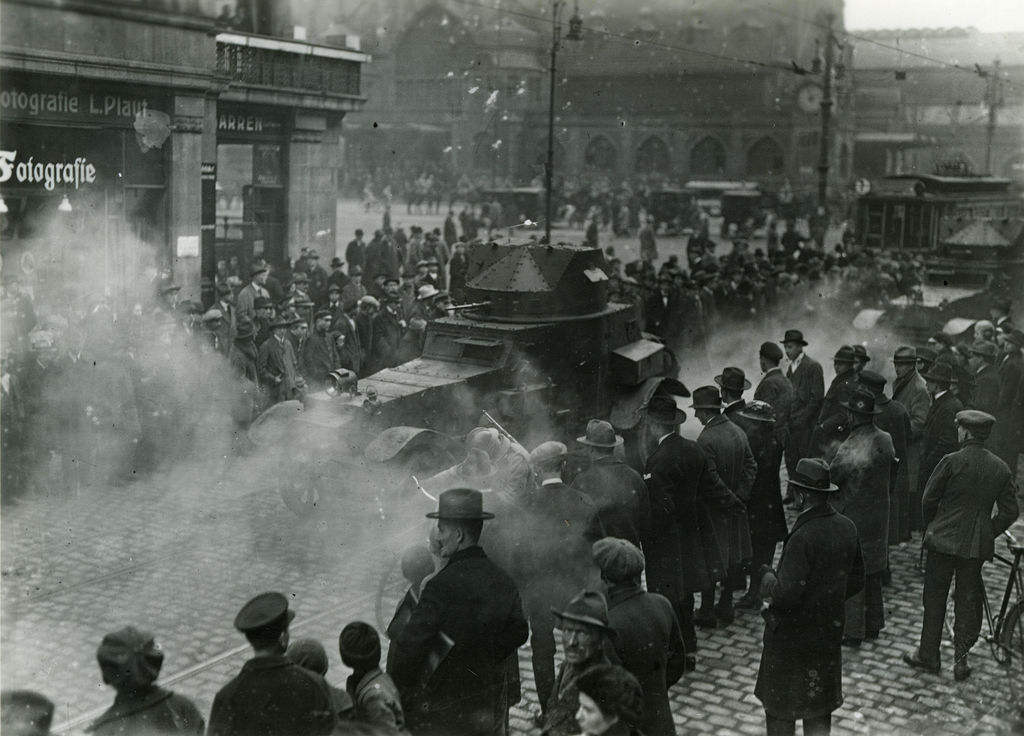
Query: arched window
point(600, 155)
point(765, 158)
point(707, 157)
point(483, 152)
point(652, 157)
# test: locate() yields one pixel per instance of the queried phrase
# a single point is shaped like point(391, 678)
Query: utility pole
point(993, 98)
point(575, 34)
point(826, 115)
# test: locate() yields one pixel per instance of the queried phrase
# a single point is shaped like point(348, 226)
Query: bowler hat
point(862, 402)
point(600, 434)
point(663, 409)
point(460, 504)
point(587, 607)
point(263, 611)
point(732, 379)
point(979, 422)
point(793, 336)
point(844, 354)
point(941, 373)
point(758, 411)
point(618, 559)
point(861, 353)
point(871, 380)
point(813, 473)
point(771, 351)
point(337, 262)
point(904, 354)
point(707, 397)
point(985, 349)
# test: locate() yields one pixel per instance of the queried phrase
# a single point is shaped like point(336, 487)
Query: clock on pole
point(808, 98)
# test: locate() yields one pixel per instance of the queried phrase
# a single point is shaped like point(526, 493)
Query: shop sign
point(241, 123)
point(47, 173)
point(40, 100)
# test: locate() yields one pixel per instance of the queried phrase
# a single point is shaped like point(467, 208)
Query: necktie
point(789, 372)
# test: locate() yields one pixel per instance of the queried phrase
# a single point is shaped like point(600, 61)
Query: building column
point(626, 162)
point(314, 153)
point(185, 201)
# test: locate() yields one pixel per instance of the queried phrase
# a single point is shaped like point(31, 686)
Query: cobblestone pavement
point(180, 560)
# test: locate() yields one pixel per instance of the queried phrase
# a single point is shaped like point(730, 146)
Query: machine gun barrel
point(474, 305)
point(497, 426)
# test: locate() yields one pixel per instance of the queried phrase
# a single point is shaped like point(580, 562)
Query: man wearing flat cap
point(618, 491)
point(807, 379)
point(562, 523)
point(775, 390)
point(960, 535)
point(864, 468)
point(319, 352)
point(473, 603)
point(130, 661)
point(585, 633)
point(801, 672)
point(832, 427)
point(911, 392)
point(272, 694)
point(940, 435)
point(648, 640)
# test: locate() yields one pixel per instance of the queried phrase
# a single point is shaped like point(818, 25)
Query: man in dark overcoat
point(864, 468)
point(663, 312)
point(731, 467)
point(1008, 433)
point(960, 535)
point(808, 381)
point(801, 672)
point(775, 389)
point(319, 353)
point(832, 428)
point(618, 491)
point(291, 699)
point(474, 605)
point(911, 392)
point(895, 421)
point(940, 435)
point(982, 363)
point(348, 342)
point(277, 366)
point(648, 641)
point(682, 554)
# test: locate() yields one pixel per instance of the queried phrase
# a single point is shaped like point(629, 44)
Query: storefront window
point(250, 206)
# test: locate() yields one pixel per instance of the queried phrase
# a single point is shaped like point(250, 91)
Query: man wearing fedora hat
point(473, 603)
point(277, 366)
point(831, 428)
point(911, 392)
point(682, 556)
point(585, 633)
point(243, 360)
point(960, 533)
point(731, 469)
point(808, 381)
point(895, 421)
point(618, 491)
point(864, 468)
point(733, 382)
point(663, 312)
point(1008, 435)
point(801, 671)
point(271, 694)
point(337, 277)
point(939, 435)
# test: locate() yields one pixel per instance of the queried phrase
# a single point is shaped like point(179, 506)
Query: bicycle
point(1006, 628)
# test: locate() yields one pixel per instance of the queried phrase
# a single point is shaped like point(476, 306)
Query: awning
point(987, 234)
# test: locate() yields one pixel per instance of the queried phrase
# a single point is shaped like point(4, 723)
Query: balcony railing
point(289, 65)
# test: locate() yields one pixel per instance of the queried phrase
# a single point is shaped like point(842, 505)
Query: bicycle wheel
point(1011, 636)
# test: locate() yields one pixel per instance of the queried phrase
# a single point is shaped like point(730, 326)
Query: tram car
point(969, 230)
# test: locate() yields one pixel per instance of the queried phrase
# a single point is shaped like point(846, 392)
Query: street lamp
point(575, 34)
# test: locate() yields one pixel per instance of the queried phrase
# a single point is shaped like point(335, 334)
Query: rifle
point(474, 305)
point(501, 430)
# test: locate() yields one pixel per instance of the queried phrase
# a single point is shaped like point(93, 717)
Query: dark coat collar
point(813, 512)
point(127, 704)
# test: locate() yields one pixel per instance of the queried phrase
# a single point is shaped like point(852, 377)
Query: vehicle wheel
point(1011, 637)
point(302, 496)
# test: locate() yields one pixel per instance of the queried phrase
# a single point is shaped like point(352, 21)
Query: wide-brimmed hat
point(758, 411)
point(904, 354)
point(587, 607)
point(600, 434)
point(460, 504)
point(663, 409)
point(862, 402)
point(939, 373)
point(813, 473)
point(707, 397)
point(732, 379)
point(793, 336)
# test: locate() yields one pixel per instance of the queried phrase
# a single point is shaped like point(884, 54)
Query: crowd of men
point(866, 468)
